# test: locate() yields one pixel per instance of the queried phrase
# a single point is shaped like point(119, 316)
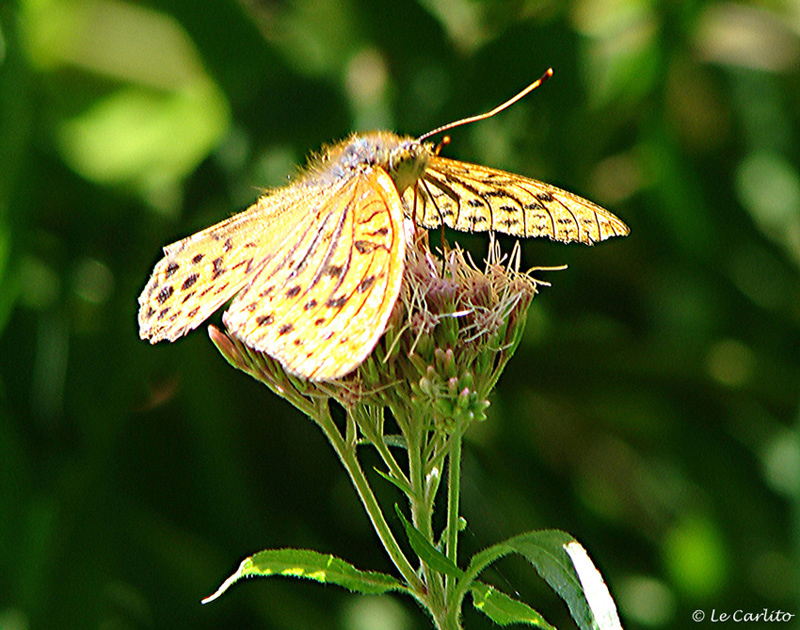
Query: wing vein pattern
point(322, 314)
point(474, 198)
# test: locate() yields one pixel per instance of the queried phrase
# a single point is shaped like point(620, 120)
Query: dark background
point(651, 410)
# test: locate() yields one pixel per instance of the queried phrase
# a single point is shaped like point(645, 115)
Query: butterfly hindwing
point(321, 303)
point(474, 198)
point(201, 272)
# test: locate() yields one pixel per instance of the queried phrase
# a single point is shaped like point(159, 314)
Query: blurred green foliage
point(651, 411)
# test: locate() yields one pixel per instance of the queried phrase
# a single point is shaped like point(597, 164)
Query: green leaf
point(396, 441)
point(429, 554)
point(393, 440)
point(401, 485)
point(505, 610)
point(312, 565)
point(563, 563)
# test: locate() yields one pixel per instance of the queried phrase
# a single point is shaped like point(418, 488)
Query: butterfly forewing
point(322, 301)
point(474, 198)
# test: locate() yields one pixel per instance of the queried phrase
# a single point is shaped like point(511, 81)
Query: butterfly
point(315, 268)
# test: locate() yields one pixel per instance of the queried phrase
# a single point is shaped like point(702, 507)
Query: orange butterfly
point(316, 266)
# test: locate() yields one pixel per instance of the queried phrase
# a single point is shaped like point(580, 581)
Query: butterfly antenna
point(496, 110)
point(441, 144)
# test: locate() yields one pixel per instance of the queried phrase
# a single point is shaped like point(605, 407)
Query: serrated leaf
point(312, 565)
point(555, 556)
point(503, 609)
point(429, 554)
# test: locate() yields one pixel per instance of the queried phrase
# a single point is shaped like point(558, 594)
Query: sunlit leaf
point(503, 609)
point(563, 563)
point(311, 565)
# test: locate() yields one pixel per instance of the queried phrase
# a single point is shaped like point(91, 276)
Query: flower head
point(452, 331)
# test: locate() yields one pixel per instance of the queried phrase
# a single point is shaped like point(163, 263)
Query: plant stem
point(347, 455)
point(453, 494)
point(421, 512)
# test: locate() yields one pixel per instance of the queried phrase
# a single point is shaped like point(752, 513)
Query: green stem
point(347, 455)
point(455, 593)
point(453, 495)
point(435, 460)
point(421, 512)
point(447, 622)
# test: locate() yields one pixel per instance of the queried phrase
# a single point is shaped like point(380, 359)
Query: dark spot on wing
point(365, 247)
point(218, 270)
point(334, 271)
point(171, 268)
point(164, 294)
point(190, 280)
point(228, 245)
point(265, 320)
point(366, 283)
point(309, 305)
point(293, 291)
point(286, 328)
point(197, 258)
point(336, 302)
point(508, 222)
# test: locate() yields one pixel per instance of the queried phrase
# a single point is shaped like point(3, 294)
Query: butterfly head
point(407, 162)
point(403, 158)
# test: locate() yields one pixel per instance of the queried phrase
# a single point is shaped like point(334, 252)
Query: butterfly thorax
point(402, 157)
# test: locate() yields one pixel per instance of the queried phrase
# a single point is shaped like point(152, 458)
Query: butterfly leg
point(441, 221)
